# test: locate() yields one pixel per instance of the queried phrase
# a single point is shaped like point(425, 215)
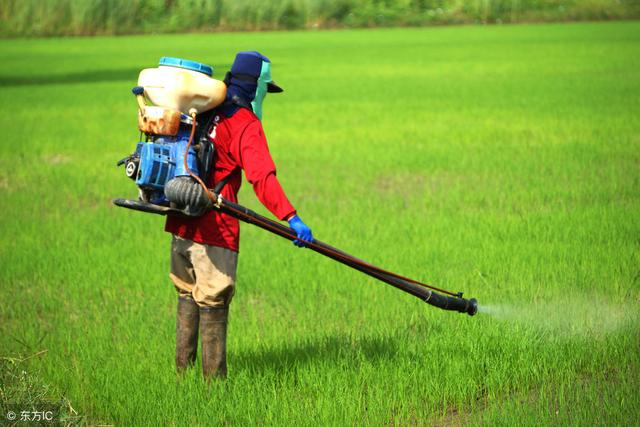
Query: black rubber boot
point(187, 320)
point(213, 332)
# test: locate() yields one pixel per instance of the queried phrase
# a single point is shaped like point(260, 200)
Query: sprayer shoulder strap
point(205, 147)
point(212, 122)
point(220, 185)
point(204, 122)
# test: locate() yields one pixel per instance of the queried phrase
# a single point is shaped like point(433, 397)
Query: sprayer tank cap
point(168, 61)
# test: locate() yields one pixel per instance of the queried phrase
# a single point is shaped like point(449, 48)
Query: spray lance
point(432, 295)
point(423, 291)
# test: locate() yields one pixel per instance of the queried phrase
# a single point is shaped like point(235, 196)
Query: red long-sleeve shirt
point(240, 145)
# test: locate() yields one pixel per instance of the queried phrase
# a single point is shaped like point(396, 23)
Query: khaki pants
point(208, 273)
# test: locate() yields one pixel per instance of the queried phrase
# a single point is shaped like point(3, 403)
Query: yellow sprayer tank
point(181, 84)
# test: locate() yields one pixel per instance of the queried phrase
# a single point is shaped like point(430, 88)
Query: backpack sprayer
point(168, 167)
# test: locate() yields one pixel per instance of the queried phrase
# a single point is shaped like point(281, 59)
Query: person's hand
point(302, 231)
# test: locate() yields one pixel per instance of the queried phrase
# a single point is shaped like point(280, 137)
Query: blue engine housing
point(162, 160)
point(156, 165)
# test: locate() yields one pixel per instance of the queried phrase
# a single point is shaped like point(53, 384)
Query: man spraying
point(176, 177)
point(204, 250)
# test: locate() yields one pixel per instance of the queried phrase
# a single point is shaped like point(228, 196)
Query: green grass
point(498, 161)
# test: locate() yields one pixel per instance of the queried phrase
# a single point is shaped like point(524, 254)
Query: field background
point(92, 17)
point(500, 161)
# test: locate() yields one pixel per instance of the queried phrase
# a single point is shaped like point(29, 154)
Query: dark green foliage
point(94, 17)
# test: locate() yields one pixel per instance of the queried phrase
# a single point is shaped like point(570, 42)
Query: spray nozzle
point(454, 303)
point(473, 307)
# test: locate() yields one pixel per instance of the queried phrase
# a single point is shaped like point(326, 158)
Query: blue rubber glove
point(302, 231)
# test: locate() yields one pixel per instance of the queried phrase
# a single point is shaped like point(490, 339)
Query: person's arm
point(260, 170)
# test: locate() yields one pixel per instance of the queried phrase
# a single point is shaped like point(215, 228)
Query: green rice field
point(501, 161)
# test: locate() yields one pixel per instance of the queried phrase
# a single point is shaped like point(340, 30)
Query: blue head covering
point(248, 82)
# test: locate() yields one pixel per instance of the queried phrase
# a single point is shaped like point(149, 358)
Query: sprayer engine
point(159, 159)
